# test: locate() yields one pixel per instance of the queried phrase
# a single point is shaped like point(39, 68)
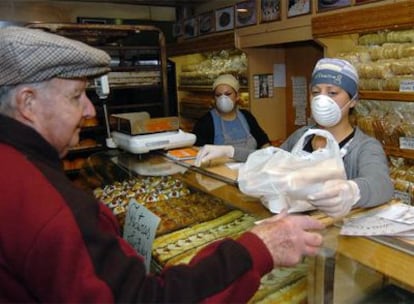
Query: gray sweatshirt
point(365, 163)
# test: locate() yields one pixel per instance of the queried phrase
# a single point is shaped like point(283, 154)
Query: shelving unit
point(378, 255)
point(196, 73)
point(138, 76)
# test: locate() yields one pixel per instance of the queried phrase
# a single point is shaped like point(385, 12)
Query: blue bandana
point(337, 72)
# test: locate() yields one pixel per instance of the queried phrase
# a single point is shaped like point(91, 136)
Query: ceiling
point(168, 3)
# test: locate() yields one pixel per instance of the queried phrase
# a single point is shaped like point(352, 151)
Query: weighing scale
point(142, 143)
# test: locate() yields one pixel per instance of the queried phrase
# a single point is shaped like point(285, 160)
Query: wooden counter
point(349, 268)
point(221, 181)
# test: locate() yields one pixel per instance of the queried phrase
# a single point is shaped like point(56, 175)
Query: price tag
point(407, 85)
point(407, 143)
point(403, 196)
point(140, 228)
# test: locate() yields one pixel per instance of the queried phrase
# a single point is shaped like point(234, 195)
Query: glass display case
point(203, 201)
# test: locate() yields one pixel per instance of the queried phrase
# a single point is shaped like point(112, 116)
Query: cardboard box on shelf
point(140, 123)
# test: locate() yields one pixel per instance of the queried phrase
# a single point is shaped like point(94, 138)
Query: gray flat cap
point(31, 55)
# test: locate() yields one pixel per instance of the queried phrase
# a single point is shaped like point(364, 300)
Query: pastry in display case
point(190, 218)
point(115, 180)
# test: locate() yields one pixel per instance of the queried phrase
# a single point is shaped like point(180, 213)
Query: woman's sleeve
point(204, 131)
point(371, 173)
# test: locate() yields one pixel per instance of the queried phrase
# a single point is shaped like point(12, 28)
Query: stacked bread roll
point(383, 59)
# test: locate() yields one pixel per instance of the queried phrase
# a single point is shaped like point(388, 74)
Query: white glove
point(209, 152)
point(336, 197)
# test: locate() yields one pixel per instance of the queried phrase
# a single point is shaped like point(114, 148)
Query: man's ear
point(25, 101)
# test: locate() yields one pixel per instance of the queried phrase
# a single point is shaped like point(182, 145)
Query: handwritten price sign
point(140, 228)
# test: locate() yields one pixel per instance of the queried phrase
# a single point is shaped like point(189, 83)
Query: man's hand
point(289, 238)
point(210, 152)
point(336, 197)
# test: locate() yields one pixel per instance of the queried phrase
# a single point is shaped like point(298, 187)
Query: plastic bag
point(283, 179)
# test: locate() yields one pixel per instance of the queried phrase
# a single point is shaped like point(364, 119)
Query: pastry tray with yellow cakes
point(190, 219)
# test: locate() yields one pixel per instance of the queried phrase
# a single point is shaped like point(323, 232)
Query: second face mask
point(224, 104)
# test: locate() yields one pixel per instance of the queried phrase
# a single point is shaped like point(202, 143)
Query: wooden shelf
point(88, 149)
point(364, 20)
point(387, 95)
point(210, 43)
point(205, 88)
point(397, 152)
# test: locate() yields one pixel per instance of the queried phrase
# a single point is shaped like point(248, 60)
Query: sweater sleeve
point(367, 165)
point(204, 130)
point(225, 271)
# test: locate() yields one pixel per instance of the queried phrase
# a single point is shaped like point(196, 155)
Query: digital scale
point(139, 144)
point(154, 134)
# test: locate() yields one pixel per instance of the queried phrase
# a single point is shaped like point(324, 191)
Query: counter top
point(390, 256)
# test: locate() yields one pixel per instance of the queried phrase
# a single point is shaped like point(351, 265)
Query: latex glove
point(210, 152)
point(336, 197)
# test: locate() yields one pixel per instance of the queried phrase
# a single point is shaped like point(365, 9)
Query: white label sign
point(407, 143)
point(407, 85)
point(140, 228)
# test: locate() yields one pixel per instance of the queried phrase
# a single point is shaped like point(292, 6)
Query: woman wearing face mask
point(334, 92)
point(226, 130)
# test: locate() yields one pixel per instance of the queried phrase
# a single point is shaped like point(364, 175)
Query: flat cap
point(32, 55)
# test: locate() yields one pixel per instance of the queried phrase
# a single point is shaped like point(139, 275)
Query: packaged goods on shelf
point(206, 70)
point(388, 121)
point(383, 60)
point(135, 78)
point(402, 175)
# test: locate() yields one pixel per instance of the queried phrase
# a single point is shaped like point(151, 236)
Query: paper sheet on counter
point(395, 220)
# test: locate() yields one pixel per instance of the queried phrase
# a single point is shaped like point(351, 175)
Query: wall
point(67, 11)
point(270, 112)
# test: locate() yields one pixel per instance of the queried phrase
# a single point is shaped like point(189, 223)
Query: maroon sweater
point(58, 244)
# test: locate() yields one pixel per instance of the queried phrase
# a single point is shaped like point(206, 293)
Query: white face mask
point(326, 111)
point(224, 104)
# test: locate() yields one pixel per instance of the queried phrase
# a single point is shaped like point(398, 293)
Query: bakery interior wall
point(67, 11)
point(287, 41)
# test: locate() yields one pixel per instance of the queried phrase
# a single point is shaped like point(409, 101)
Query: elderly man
point(58, 244)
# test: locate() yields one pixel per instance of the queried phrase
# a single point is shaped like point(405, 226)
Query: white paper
point(395, 220)
point(401, 213)
point(300, 97)
point(279, 75)
point(140, 229)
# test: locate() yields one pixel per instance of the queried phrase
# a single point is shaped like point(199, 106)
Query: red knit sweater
point(57, 244)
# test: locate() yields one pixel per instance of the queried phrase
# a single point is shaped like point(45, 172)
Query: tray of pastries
point(168, 197)
point(180, 246)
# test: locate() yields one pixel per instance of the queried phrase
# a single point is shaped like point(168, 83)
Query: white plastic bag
point(283, 180)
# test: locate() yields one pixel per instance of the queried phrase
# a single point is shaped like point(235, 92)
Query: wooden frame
point(178, 29)
point(245, 13)
point(224, 18)
point(191, 27)
point(324, 5)
point(206, 23)
point(269, 10)
point(299, 7)
point(357, 2)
